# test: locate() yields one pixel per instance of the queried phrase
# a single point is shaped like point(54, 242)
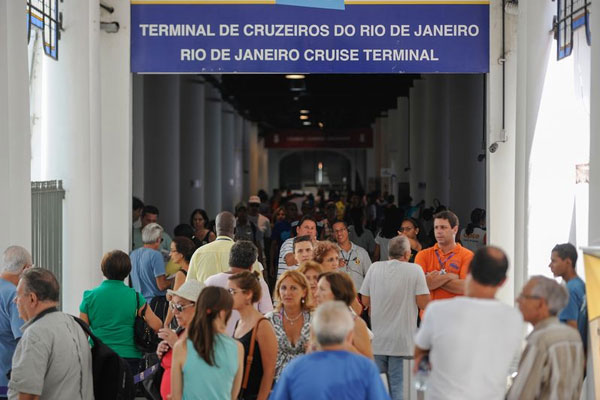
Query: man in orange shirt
point(446, 264)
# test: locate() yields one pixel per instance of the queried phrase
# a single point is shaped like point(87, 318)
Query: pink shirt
point(264, 305)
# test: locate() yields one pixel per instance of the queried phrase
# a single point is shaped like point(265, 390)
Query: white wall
point(15, 153)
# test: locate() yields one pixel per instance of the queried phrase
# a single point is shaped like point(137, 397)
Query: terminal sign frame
point(264, 37)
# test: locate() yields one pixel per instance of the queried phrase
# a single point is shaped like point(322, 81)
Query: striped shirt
point(551, 366)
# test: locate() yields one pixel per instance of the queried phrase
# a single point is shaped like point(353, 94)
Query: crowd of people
point(329, 303)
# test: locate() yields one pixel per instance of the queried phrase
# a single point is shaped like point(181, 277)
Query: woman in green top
point(207, 364)
point(110, 309)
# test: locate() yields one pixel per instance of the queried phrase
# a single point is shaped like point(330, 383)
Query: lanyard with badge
point(356, 261)
point(443, 263)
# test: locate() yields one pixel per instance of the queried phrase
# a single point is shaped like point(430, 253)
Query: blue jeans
point(392, 366)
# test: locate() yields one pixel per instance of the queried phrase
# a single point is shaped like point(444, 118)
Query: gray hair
point(332, 323)
point(398, 247)
point(15, 259)
point(555, 294)
point(225, 223)
point(42, 283)
point(243, 254)
point(151, 233)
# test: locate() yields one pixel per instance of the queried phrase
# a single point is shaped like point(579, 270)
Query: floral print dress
point(286, 352)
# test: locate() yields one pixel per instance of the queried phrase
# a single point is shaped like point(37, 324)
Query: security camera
point(493, 147)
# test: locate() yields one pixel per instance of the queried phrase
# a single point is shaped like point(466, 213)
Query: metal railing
point(47, 225)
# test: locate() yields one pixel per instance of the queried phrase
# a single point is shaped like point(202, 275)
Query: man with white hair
point(394, 290)
point(16, 260)
point(333, 372)
point(551, 366)
point(148, 275)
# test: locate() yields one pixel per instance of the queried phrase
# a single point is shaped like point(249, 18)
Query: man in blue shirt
point(148, 275)
point(16, 260)
point(333, 372)
point(563, 261)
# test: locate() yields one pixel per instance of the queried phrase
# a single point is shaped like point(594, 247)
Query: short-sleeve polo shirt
point(456, 261)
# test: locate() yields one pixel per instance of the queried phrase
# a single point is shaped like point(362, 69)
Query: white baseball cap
point(190, 290)
point(254, 199)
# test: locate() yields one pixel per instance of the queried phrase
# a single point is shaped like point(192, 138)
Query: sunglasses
point(178, 307)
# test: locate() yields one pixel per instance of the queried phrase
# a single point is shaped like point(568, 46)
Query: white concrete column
point(137, 123)
point(263, 176)
point(274, 158)
point(370, 171)
point(212, 152)
point(594, 186)
point(72, 130)
point(254, 158)
point(246, 162)
point(402, 140)
point(227, 154)
point(191, 168)
point(116, 128)
point(466, 129)
point(161, 147)
point(15, 153)
point(377, 148)
point(505, 229)
point(418, 155)
point(238, 162)
point(437, 142)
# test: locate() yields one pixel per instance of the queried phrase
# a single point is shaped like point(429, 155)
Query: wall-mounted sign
point(307, 138)
point(398, 36)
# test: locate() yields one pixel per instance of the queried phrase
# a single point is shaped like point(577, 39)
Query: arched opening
point(302, 170)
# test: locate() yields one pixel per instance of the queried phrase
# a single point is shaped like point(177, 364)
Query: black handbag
point(152, 383)
point(144, 337)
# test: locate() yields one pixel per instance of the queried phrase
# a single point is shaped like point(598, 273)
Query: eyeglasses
point(527, 296)
point(234, 291)
point(178, 307)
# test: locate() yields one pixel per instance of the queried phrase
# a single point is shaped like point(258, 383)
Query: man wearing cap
point(260, 220)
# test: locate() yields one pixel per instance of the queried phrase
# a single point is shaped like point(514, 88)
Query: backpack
point(112, 377)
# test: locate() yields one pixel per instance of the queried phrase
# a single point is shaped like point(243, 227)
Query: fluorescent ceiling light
point(306, 123)
point(304, 117)
point(294, 76)
point(304, 111)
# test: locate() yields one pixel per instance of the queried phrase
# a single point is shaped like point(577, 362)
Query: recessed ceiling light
point(294, 76)
point(321, 125)
point(306, 123)
point(304, 111)
point(304, 117)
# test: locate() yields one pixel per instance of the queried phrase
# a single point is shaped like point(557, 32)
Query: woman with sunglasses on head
point(256, 334)
point(110, 309)
point(291, 317)
point(410, 229)
point(207, 364)
point(339, 286)
point(181, 305)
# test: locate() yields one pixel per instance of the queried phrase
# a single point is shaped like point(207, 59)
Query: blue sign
point(360, 37)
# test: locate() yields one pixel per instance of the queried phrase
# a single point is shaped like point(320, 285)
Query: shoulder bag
point(144, 337)
point(249, 360)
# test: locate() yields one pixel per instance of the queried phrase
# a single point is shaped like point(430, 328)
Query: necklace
point(291, 320)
